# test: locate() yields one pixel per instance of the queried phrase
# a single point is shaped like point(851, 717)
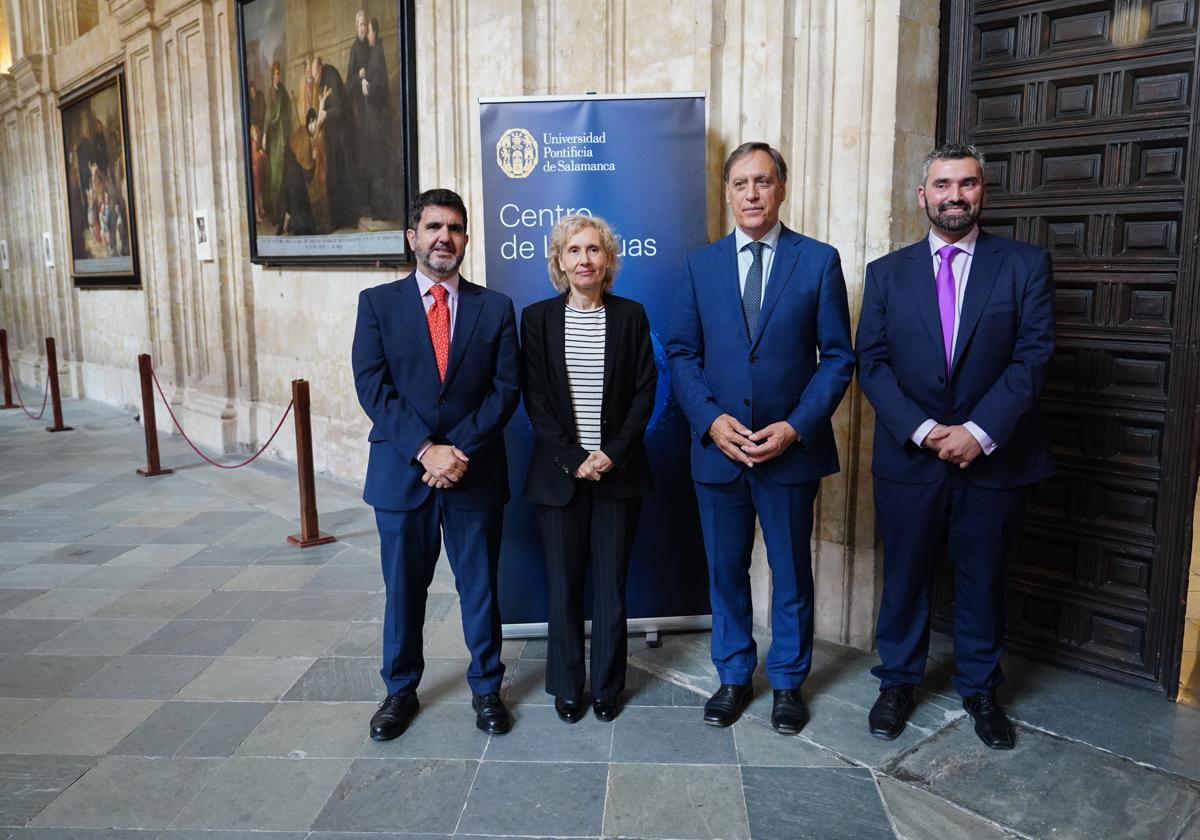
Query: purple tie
point(946, 297)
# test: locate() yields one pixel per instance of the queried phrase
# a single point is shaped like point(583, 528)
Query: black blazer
point(630, 378)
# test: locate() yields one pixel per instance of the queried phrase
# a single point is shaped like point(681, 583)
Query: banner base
point(650, 626)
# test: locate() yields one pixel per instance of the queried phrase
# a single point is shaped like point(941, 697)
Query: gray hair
point(749, 149)
point(951, 151)
point(566, 228)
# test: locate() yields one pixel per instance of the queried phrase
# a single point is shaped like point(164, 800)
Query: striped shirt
point(585, 371)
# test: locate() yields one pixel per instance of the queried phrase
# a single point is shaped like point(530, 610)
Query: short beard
point(426, 262)
point(954, 224)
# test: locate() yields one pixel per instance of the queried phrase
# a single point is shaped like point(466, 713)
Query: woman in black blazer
point(588, 380)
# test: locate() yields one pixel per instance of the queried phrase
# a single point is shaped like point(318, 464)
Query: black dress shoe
point(607, 710)
point(569, 711)
point(886, 718)
point(490, 715)
point(395, 714)
point(991, 724)
point(724, 707)
point(788, 713)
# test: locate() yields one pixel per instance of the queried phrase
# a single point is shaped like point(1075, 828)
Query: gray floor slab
point(918, 814)
point(86, 554)
point(233, 606)
point(100, 636)
point(143, 677)
point(66, 603)
point(125, 792)
point(539, 735)
point(364, 800)
point(73, 726)
point(14, 712)
point(185, 637)
point(246, 678)
point(23, 635)
point(1025, 788)
point(670, 736)
point(225, 555)
point(339, 678)
point(758, 745)
point(318, 606)
point(194, 730)
point(289, 638)
point(559, 799)
point(29, 783)
point(146, 604)
point(317, 730)
point(799, 803)
point(246, 793)
point(46, 676)
point(11, 598)
point(675, 801)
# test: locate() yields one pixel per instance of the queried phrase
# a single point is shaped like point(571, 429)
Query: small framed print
point(3, 255)
point(202, 226)
point(48, 249)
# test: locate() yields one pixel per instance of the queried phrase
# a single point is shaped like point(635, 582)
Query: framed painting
point(328, 95)
point(100, 208)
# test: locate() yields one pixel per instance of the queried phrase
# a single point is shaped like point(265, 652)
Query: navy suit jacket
point(1005, 340)
point(395, 375)
point(796, 368)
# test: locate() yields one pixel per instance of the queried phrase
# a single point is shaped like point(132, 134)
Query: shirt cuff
point(423, 448)
point(922, 432)
point(989, 445)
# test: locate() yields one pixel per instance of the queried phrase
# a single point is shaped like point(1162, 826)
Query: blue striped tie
point(752, 293)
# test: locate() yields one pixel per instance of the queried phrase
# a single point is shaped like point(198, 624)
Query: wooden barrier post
point(55, 398)
point(4, 362)
point(310, 534)
point(153, 467)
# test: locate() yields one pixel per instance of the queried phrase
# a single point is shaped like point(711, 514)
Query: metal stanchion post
point(310, 534)
point(4, 363)
point(153, 467)
point(55, 398)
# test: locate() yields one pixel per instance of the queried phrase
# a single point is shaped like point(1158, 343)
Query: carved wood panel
point(1084, 109)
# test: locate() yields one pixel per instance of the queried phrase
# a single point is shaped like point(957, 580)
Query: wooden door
point(1086, 113)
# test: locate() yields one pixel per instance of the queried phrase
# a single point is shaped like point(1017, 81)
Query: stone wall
point(846, 88)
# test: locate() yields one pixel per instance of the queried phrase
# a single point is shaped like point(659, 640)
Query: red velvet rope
point(196, 449)
point(17, 388)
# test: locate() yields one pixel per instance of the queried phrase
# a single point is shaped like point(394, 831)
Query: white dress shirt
point(424, 284)
point(746, 258)
point(961, 266)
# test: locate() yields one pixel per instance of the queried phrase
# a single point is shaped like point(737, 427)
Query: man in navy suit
point(435, 366)
point(760, 355)
point(955, 334)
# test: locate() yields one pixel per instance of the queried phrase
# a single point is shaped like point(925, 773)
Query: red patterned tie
point(439, 327)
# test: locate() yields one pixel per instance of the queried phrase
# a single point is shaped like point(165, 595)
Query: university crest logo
point(516, 153)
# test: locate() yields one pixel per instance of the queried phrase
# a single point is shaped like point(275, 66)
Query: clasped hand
point(444, 465)
point(594, 466)
point(954, 444)
point(747, 447)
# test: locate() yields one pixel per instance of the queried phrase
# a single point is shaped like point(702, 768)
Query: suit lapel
point(412, 311)
point(924, 292)
point(787, 251)
point(728, 284)
point(469, 305)
point(985, 264)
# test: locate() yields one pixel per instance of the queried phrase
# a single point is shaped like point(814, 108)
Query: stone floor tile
point(247, 678)
point(1193, 831)
point(19, 553)
point(222, 521)
point(205, 834)
point(565, 800)
point(155, 556)
point(21, 635)
point(360, 638)
point(193, 577)
point(758, 745)
point(11, 598)
point(46, 676)
point(145, 604)
point(86, 554)
point(314, 730)
point(114, 577)
point(247, 793)
point(119, 535)
point(346, 579)
point(269, 578)
point(78, 727)
point(40, 575)
point(654, 801)
point(143, 677)
point(30, 783)
point(1026, 788)
point(289, 638)
point(365, 799)
point(286, 554)
point(182, 535)
point(918, 814)
point(375, 608)
point(193, 730)
point(318, 606)
point(187, 637)
point(100, 636)
point(234, 605)
point(157, 518)
point(84, 834)
point(801, 803)
point(539, 735)
point(14, 712)
point(225, 555)
point(67, 603)
point(661, 735)
point(125, 792)
point(339, 678)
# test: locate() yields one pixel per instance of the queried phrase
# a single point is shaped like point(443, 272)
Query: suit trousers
point(410, 543)
point(727, 513)
point(979, 525)
point(596, 531)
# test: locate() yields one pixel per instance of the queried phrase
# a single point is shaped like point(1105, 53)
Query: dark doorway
point(1086, 112)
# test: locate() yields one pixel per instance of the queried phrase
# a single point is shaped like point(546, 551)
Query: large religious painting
point(330, 138)
point(99, 192)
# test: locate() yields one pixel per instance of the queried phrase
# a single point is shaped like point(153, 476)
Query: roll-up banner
point(639, 162)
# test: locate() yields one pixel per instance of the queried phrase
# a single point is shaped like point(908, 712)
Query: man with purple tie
point(953, 341)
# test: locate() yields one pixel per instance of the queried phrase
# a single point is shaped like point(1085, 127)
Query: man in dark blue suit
point(760, 355)
point(435, 366)
point(953, 341)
